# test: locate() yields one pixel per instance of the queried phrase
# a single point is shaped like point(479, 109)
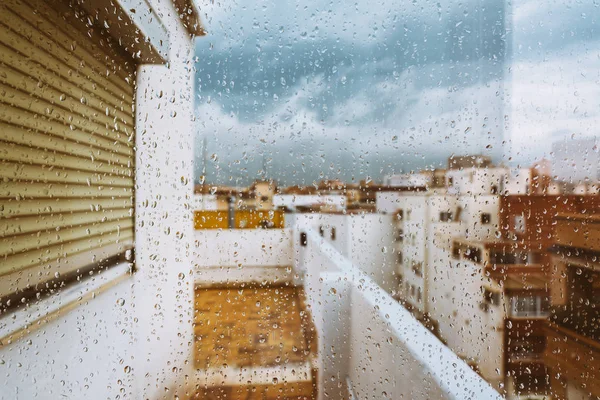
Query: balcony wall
point(85, 352)
point(226, 256)
point(574, 357)
point(578, 231)
point(371, 346)
point(367, 240)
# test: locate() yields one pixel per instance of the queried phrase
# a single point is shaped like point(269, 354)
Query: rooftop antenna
point(264, 166)
point(203, 177)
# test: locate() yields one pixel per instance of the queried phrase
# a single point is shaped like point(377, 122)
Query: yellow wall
point(210, 219)
point(247, 219)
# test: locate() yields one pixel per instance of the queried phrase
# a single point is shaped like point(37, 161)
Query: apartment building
point(572, 353)
point(498, 287)
point(419, 179)
point(427, 221)
point(489, 180)
point(473, 266)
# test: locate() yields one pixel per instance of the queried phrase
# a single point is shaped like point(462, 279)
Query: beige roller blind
point(66, 144)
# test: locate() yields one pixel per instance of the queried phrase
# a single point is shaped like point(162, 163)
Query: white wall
point(473, 207)
point(235, 247)
point(388, 202)
point(228, 256)
point(419, 179)
point(519, 181)
point(371, 247)
point(339, 222)
point(204, 202)
point(373, 340)
point(366, 239)
point(470, 331)
point(475, 181)
point(294, 200)
point(164, 226)
point(83, 354)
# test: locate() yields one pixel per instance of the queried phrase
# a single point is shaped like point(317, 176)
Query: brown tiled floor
point(292, 391)
point(248, 327)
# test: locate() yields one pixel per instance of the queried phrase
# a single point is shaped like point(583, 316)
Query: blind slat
point(33, 223)
point(34, 241)
point(50, 45)
point(20, 208)
point(88, 41)
point(21, 45)
point(28, 190)
point(43, 157)
point(22, 139)
point(17, 98)
point(70, 106)
point(32, 68)
point(26, 119)
point(37, 173)
point(63, 251)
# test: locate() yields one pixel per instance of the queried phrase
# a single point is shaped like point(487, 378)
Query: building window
point(472, 254)
point(303, 239)
point(400, 215)
point(417, 268)
point(455, 251)
point(502, 257)
point(399, 235)
point(491, 297)
point(486, 218)
point(519, 223)
point(528, 306)
point(445, 216)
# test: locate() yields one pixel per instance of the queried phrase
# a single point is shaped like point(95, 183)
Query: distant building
point(541, 175)
point(261, 194)
point(421, 179)
point(473, 265)
point(489, 180)
point(469, 161)
point(496, 282)
point(572, 352)
point(329, 202)
point(576, 160)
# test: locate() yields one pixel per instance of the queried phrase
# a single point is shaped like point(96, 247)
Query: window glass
point(300, 200)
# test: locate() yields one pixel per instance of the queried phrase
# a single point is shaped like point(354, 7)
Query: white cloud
point(554, 98)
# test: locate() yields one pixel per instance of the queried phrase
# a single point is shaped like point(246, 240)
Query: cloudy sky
point(335, 89)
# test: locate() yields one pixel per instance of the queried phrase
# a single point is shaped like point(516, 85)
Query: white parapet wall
point(371, 346)
point(336, 201)
point(365, 239)
point(77, 343)
point(229, 256)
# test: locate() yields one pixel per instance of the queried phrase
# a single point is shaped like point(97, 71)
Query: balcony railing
point(371, 346)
